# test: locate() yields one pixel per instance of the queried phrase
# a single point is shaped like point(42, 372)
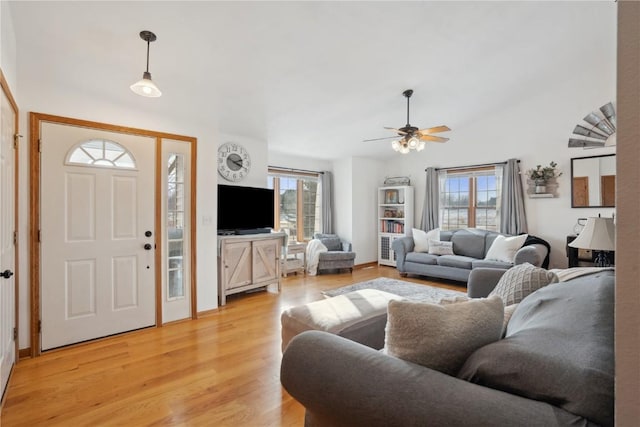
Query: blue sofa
point(470, 246)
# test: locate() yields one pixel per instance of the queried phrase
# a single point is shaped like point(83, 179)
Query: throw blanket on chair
point(532, 240)
point(565, 274)
point(314, 248)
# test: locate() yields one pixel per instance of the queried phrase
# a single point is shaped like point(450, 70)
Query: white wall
point(356, 180)
point(294, 162)
point(8, 46)
point(365, 182)
point(536, 131)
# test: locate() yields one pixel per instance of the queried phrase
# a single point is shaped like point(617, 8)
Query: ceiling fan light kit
point(412, 138)
point(145, 86)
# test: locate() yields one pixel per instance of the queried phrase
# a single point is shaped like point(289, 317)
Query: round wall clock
point(234, 162)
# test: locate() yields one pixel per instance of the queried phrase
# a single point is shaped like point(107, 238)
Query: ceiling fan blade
point(400, 132)
point(435, 129)
point(380, 139)
point(433, 138)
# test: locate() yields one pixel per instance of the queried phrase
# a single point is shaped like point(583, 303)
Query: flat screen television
point(244, 210)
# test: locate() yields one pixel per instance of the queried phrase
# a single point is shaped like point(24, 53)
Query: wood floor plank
point(222, 369)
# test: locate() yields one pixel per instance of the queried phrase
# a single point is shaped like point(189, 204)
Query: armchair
point(339, 254)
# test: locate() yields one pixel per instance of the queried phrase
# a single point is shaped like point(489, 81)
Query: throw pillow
point(332, 243)
point(437, 247)
point(559, 349)
point(442, 337)
point(453, 300)
point(504, 248)
point(508, 310)
point(421, 238)
point(519, 281)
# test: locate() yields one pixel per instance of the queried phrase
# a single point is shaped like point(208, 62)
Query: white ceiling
point(312, 78)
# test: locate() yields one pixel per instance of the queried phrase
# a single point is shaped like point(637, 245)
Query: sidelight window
point(175, 226)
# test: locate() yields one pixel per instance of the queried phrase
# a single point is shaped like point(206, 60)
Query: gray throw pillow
point(520, 281)
point(332, 243)
point(558, 349)
point(442, 337)
point(508, 312)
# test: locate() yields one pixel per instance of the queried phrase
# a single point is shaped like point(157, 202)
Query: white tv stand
point(247, 262)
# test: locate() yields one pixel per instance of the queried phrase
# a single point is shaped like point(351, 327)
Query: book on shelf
point(388, 226)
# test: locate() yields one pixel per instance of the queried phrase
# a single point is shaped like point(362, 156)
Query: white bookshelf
point(395, 219)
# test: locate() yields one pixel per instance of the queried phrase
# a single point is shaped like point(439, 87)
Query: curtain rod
point(293, 170)
point(473, 166)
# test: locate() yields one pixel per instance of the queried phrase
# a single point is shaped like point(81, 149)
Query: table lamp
point(599, 234)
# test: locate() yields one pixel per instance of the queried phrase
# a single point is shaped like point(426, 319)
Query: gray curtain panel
point(431, 207)
point(327, 205)
point(513, 218)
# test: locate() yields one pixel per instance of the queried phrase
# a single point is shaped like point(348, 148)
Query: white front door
point(7, 246)
point(97, 233)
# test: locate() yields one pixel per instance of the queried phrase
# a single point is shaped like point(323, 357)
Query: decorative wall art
point(601, 131)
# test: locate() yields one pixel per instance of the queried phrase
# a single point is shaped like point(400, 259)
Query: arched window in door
point(102, 153)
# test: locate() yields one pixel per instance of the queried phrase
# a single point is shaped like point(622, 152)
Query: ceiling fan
point(410, 137)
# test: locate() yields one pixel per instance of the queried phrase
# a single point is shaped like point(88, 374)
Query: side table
point(292, 263)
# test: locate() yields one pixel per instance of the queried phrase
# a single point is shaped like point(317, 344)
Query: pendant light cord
point(408, 98)
point(148, 42)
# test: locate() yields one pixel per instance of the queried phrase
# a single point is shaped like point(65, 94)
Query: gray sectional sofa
point(470, 246)
point(554, 367)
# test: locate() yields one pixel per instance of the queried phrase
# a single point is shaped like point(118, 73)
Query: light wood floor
point(220, 370)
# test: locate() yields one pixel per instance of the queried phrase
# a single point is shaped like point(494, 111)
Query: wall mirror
point(593, 181)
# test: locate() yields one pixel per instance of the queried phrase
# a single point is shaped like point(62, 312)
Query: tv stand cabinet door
point(266, 261)
point(237, 264)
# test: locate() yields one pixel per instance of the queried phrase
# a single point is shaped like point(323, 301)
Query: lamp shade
point(146, 87)
point(599, 234)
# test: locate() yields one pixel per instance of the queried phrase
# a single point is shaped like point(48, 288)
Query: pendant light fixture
point(144, 86)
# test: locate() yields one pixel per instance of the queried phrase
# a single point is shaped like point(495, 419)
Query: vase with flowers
point(541, 175)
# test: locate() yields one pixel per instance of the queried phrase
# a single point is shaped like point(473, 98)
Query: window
point(175, 226)
point(101, 152)
point(469, 198)
point(297, 204)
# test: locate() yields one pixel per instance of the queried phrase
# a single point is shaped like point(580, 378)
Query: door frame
point(16, 241)
point(35, 120)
